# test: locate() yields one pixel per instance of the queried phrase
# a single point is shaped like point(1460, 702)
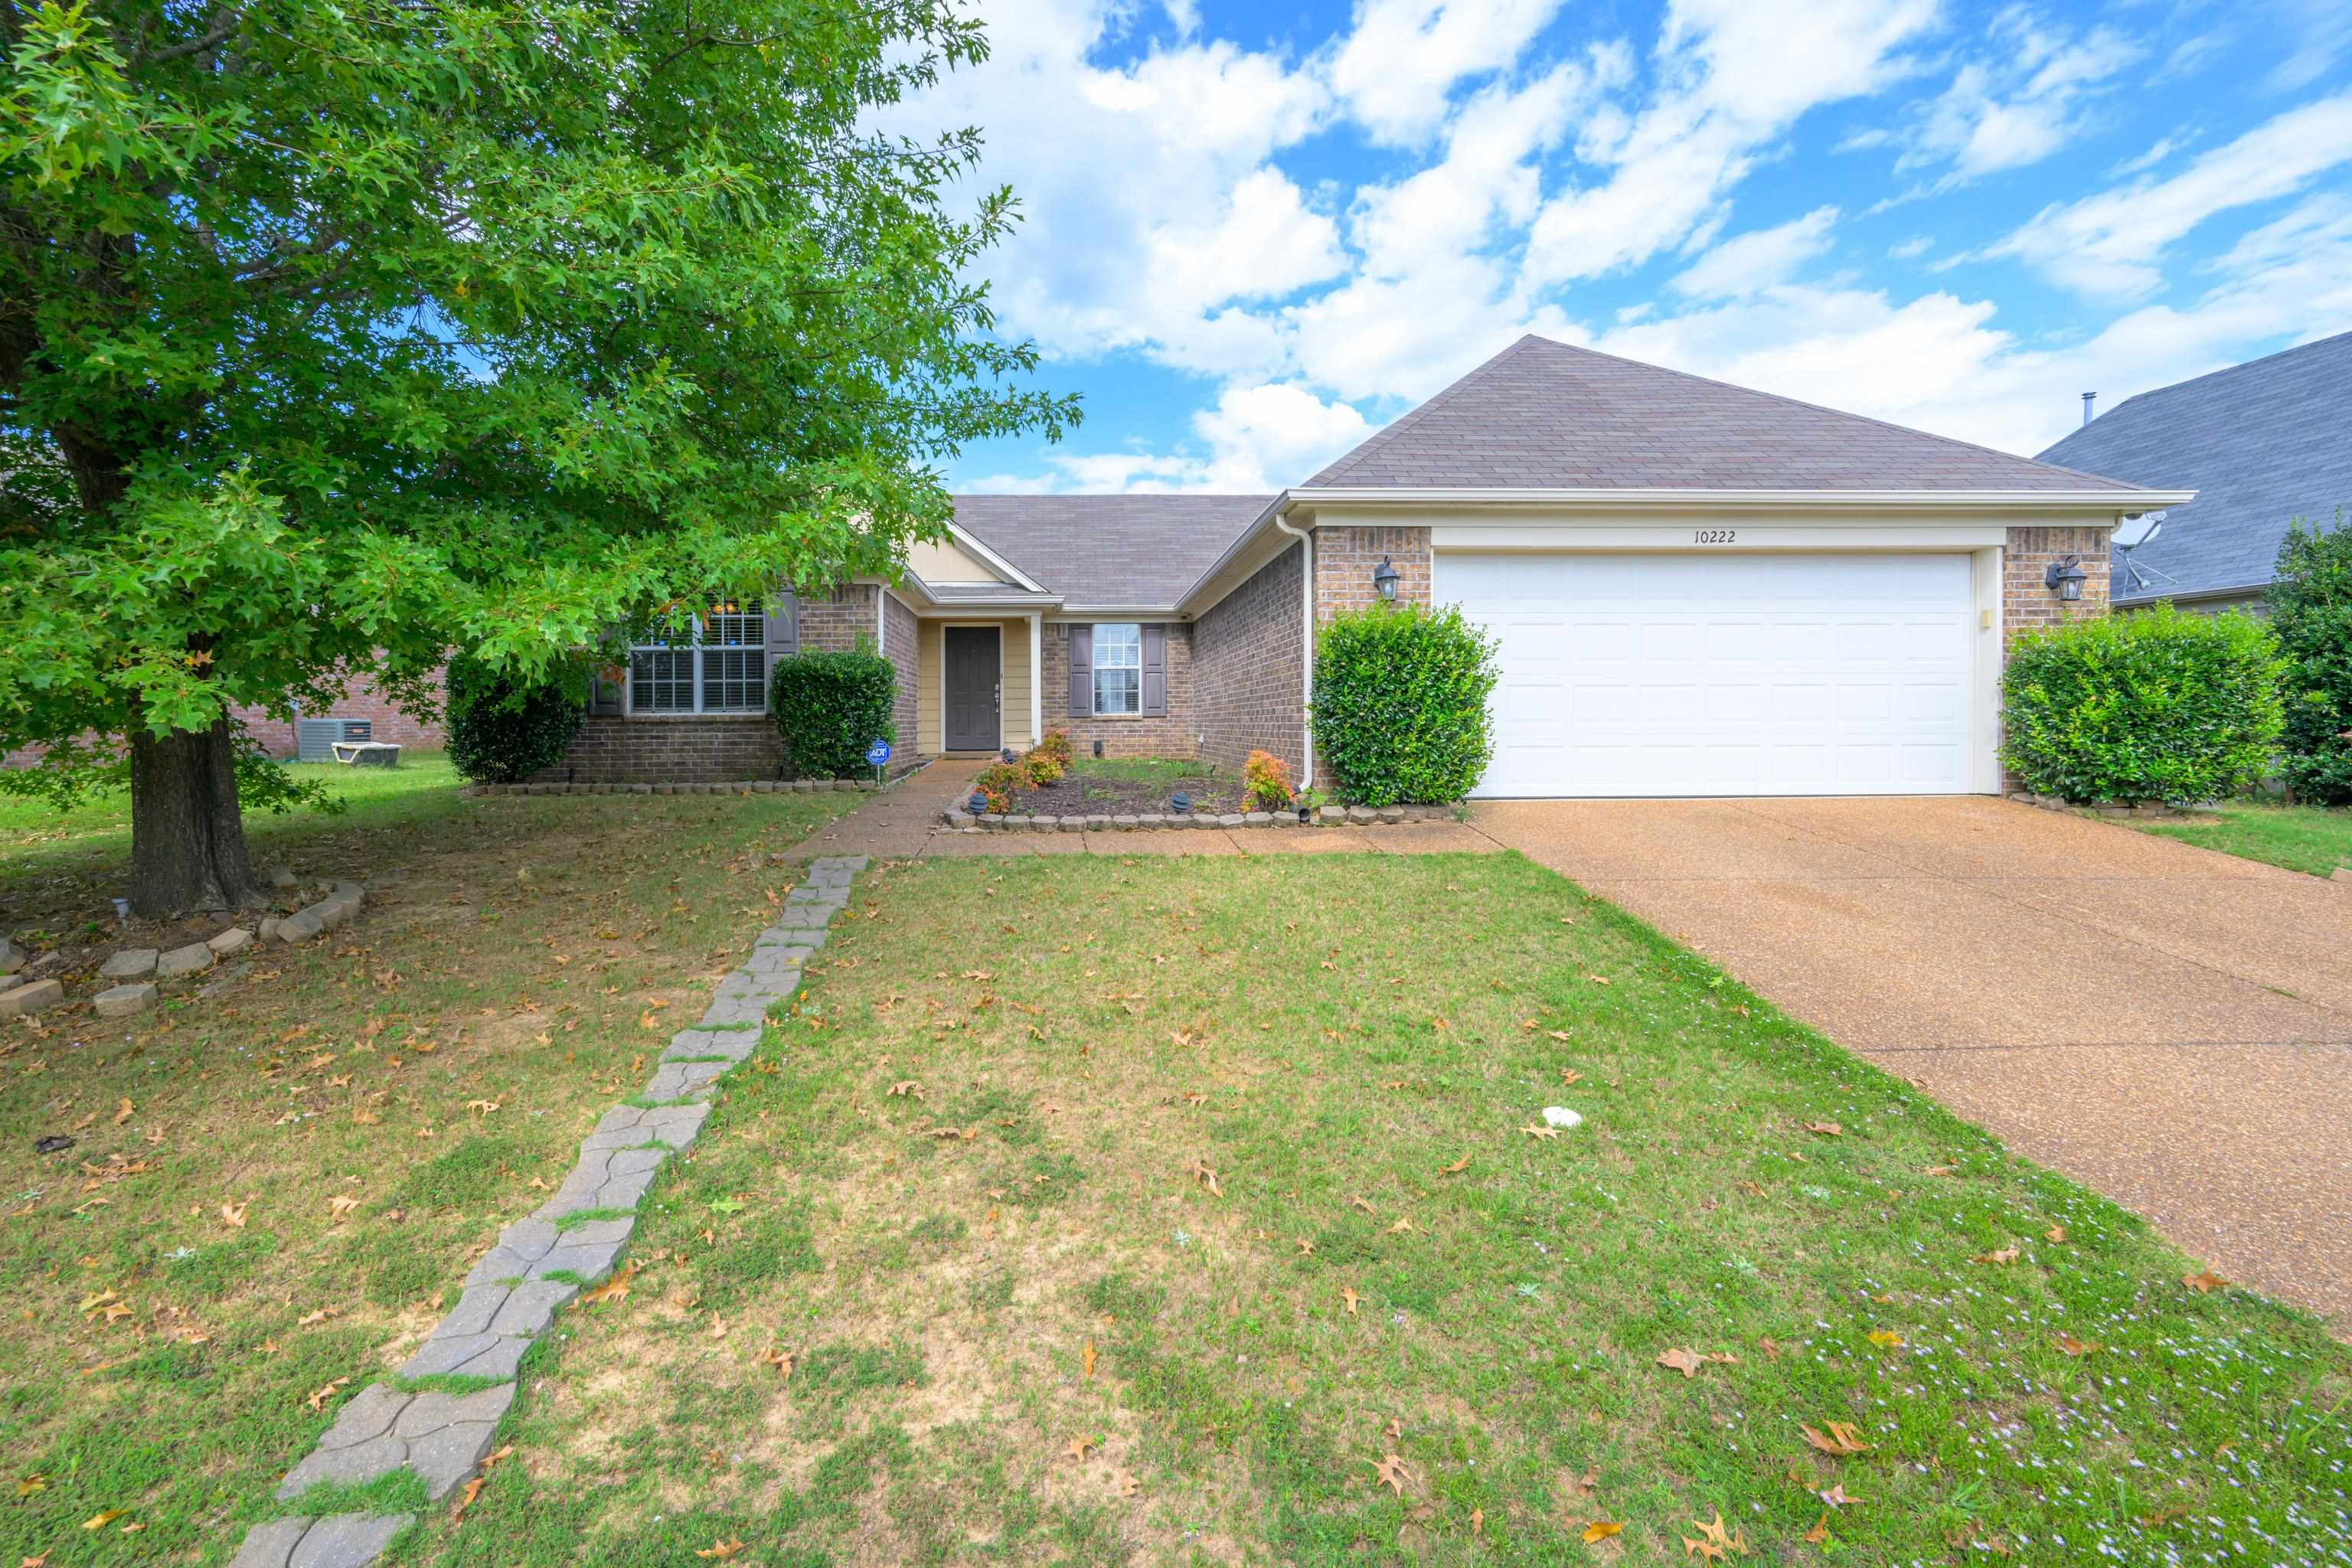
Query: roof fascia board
point(2132, 501)
point(1189, 603)
point(1011, 573)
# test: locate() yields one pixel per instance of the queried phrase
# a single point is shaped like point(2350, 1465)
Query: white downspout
point(1306, 538)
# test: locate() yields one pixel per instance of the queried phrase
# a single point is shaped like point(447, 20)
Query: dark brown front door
point(973, 680)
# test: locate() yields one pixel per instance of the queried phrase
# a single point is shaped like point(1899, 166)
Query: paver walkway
point(2169, 1025)
point(905, 824)
point(439, 1433)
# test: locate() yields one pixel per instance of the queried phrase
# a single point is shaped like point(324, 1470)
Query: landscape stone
point(301, 926)
point(1561, 1116)
point(628, 1126)
point(676, 1080)
point(269, 925)
point(230, 941)
point(192, 959)
point(12, 957)
point(278, 877)
point(121, 1001)
point(130, 963)
point(337, 1540)
point(31, 998)
point(439, 1436)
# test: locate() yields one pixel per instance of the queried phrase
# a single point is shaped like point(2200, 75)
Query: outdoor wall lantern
point(2064, 578)
point(1385, 577)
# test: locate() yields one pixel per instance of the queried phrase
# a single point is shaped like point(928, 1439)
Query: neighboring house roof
point(1114, 551)
point(1544, 415)
point(2260, 443)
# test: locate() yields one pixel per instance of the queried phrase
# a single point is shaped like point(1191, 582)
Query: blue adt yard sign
point(878, 752)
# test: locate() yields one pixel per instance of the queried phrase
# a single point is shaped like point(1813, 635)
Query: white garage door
point(1695, 675)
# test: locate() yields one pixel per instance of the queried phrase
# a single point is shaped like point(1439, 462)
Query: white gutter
point(1307, 655)
point(2114, 500)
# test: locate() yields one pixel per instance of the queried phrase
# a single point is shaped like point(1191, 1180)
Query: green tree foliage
point(501, 731)
point(1399, 709)
point(335, 336)
point(2311, 610)
point(2157, 705)
point(829, 707)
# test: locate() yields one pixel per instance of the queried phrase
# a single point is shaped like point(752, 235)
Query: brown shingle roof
point(1110, 550)
point(1544, 415)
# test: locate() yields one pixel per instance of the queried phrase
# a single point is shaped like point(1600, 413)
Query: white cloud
point(1402, 58)
point(1256, 440)
point(1734, 75)
point(1759, 258)
point(1918, 245)
point(1943, 364)
point(2028, 98)
point(2112, 244)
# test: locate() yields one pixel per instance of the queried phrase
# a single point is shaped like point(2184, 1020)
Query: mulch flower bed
point(1087, 795)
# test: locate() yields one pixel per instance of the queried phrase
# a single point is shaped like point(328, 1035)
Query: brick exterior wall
point(2025, 601)
point(1345, 559)
point(361, 701)
point(690, 749)
point(1122, 735)
point(833, 624)
point(901, 633)
point(1246, 654)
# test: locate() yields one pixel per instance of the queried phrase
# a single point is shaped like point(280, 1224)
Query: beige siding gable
point(948, 561)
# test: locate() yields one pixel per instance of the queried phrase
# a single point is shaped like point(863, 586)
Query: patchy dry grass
point(2313, 839)
point(1137, 1212)
point(272, 1188)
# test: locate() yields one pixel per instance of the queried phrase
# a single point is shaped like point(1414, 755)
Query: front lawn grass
point(2313, 839)
point(275, 1190)
point(1181, 1211)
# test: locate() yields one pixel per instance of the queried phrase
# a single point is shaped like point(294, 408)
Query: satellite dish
point(2139, 529)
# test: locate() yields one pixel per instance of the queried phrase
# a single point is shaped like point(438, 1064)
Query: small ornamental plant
point(1043, 766)
point(1056, 746)
point(999, 782)
point(1265, 783)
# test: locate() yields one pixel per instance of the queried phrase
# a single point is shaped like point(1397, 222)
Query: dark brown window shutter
point(603, 696)
point(1082, 672)
point(1155, 670)
point(783, 626)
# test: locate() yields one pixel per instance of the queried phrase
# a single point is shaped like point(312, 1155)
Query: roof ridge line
point(1825, 408)
point(1379, 438)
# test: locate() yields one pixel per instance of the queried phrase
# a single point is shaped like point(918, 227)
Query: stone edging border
point(540, 1263)
point(743, 786)
point(1327, 817)
point(2149, 811)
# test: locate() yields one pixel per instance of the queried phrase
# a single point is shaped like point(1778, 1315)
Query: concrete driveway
point(2169, 1026)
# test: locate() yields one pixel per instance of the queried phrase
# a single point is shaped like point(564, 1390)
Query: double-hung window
point(722, 669)
point(1118, 668)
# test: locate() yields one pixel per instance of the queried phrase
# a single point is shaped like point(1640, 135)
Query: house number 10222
point(1715, 536)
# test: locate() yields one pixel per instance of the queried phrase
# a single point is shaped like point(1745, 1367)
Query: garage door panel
point(1725, 675)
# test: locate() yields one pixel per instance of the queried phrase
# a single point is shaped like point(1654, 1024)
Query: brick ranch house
point(1697, 589)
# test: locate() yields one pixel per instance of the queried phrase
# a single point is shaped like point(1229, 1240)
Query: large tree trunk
point(187, 839)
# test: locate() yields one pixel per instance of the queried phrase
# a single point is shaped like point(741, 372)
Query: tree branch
point(225, 23)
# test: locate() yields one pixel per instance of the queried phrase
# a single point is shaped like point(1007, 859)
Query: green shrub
point(829, 707)
point(2158, 705)
point(500, 733)
point(2311, 612)
point(1400, 710)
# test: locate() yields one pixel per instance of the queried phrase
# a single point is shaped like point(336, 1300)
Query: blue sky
point(1254, 234)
